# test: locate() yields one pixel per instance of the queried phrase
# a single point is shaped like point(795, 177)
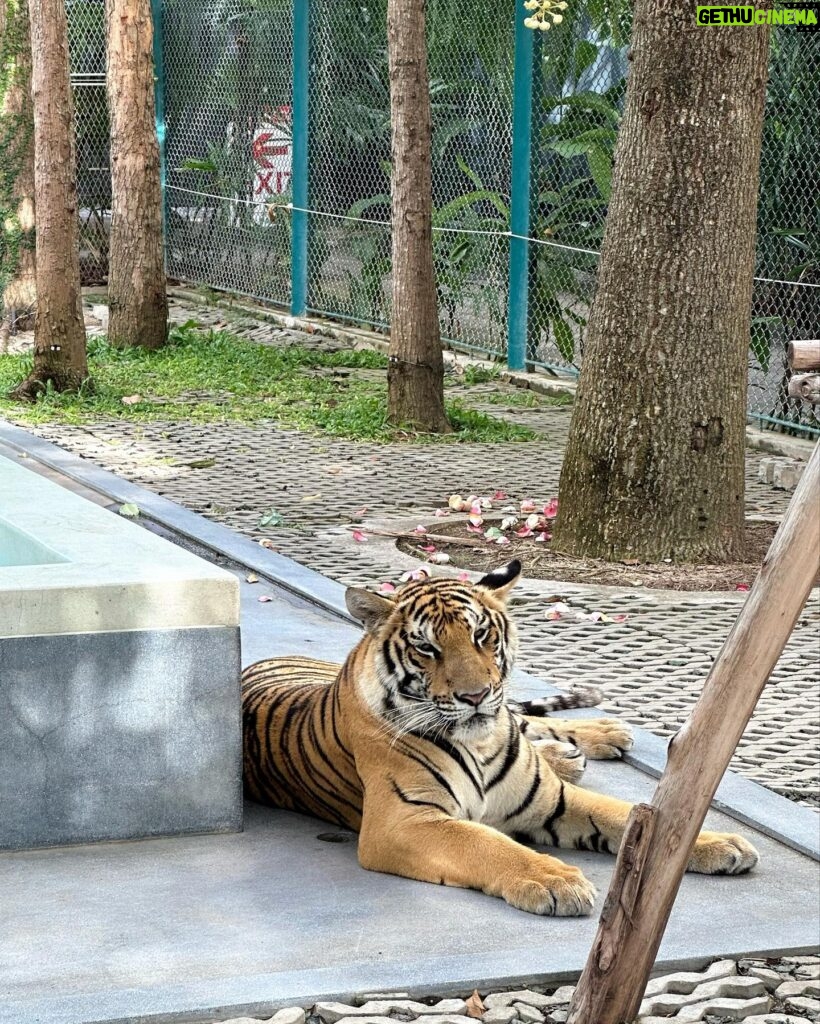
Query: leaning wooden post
point(660, 836)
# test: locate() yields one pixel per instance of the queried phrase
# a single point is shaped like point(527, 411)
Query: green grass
point(526, 399)
point(238, 380)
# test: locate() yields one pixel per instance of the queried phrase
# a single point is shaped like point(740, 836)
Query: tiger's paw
point(565, 759)
point(601, 738)
point(555, 890)
point(722, 853)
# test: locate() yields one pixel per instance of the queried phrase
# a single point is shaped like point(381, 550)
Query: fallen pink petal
point(742, 587)
point(359, 536)
point(264, 599)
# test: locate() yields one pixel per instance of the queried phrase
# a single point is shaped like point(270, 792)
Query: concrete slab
point(241, 924)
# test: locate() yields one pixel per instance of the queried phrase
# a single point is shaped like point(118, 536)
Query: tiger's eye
point(481, 636)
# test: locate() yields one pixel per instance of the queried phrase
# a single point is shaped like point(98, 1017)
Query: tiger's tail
point(575, 697)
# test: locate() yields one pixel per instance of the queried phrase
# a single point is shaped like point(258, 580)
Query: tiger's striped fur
point(413, 744)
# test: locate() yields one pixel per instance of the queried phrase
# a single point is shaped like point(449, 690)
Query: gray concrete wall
point(119, 735)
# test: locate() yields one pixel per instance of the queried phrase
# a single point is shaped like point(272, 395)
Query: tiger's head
point(443, 651)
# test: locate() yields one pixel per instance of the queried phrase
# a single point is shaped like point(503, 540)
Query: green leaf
point(761, 339)
point(271, 518)
point(363, 205)
point(600, 167)
point(563, 339)
point(567, 149)
point(192, 164)
point(585, 55)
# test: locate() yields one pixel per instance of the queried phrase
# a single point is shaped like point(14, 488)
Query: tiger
point(414, 744)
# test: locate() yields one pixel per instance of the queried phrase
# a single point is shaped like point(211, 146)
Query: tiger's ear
point(501, 581)
point(368, 608)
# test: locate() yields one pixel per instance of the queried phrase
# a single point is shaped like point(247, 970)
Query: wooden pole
point(806, 386)
point(803, 355)
point(615, 976)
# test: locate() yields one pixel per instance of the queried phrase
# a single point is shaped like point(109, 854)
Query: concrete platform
point(202, 928)
point(215, 926)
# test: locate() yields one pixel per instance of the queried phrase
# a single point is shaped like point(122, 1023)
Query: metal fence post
point(159, 108)
point(520, 193)
point(300, 115)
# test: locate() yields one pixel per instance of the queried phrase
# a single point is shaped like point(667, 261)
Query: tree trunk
point(655, 460)
point(59, 331)
point(17, 269)
point(415, 374)
point(138, 306)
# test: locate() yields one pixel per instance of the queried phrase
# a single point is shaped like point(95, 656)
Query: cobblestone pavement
point(770, 991)
point(651, 666)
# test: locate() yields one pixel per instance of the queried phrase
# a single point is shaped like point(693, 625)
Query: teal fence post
point(299, 157)
point(159, 107)
point(520, 193)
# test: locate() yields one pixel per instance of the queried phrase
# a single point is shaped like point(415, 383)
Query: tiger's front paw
point(722, 853)
point(565, 759)
point(556, 890)
point(602, 738)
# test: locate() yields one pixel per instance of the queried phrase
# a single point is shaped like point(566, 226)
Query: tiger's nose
point(474, 697)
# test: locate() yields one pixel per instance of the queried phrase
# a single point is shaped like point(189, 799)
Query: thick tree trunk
point(59, 332)
point(138, 306)
point(17, 266)
point(654, 466)
point(415, 375)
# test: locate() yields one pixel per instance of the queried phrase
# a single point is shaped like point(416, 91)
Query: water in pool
point(19, 548)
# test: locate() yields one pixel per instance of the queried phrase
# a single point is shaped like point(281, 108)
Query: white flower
point(557, 19)
point(530, 23)
point(545, 26)
point(530, 5)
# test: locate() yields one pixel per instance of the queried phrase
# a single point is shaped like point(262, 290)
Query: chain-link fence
point(86, 32)
point(231, 80)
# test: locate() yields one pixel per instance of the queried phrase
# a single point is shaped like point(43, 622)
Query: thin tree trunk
point(138, 305)
point(415, 374)
point(655, 460)
point(17, 266)
point(59, 332)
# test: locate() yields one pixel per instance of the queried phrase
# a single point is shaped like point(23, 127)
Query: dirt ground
point(539, 561)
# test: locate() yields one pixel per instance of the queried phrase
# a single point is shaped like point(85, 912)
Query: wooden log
point(804, 355)
point(611, 986)
point(806, 386)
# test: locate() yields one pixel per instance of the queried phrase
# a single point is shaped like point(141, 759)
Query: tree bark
point(615, 976)
point(17, 134)
point(59, 331)
point(655, 459)
point(415, 374)
point(137, 301)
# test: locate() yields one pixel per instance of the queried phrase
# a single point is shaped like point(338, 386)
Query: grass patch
point(522, 399)
point(206, 376)
point(479, 374)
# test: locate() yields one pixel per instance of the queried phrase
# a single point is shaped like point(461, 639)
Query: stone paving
point(651, 666)
point(771, 991)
